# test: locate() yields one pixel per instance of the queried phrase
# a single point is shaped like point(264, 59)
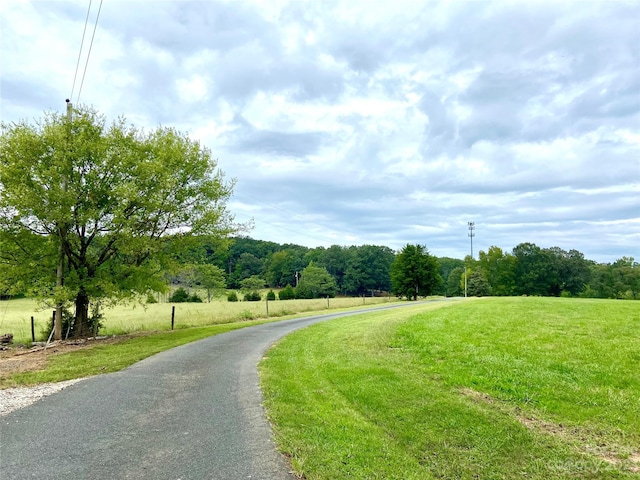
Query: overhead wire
point(271, 205)
point(297, 232)
point(75, 76)
point(300, 217)
point(80, 91)
point(95, 26)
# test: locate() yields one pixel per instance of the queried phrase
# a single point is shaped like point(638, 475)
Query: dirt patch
point(584, 441)
point(478, 396)
point(20, 359)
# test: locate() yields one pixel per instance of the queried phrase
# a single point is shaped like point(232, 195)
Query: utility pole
point(465, 281)
point(471, 226)
point(57, 333)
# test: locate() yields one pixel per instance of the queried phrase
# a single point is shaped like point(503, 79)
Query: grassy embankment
point(539, 388)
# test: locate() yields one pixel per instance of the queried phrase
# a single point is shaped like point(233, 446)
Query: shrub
point(271, 295)
point(287, 293)
point(68, 319)
point(232, 297)
point(252, 297)
point(67, 324)
point(303, 292)
point(195, 298)
point(179, 296)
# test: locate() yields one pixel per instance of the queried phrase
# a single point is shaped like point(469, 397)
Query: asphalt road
point(193, 412)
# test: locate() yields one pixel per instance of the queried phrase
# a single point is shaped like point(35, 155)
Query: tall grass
point(15, 315)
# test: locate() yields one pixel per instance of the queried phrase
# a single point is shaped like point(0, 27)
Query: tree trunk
point(81, 325)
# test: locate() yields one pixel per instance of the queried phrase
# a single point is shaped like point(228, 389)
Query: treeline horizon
point(364, 270)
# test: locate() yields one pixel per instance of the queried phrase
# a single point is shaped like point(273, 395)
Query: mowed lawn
point(540, 388)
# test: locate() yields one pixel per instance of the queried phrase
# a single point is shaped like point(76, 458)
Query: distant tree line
point(215, 264)
point(370, 270)
point(337, 270)
point(532, 270)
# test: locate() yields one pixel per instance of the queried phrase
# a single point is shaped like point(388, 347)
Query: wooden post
point(53, 322)
point(33, 331)
point(327, 302)
point(173, 315)
point(267, 308)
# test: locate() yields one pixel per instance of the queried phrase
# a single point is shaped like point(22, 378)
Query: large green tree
point(455, 283)
point(368, 269)
point(281, 269)
point(447, 266)
point(246, 266)
point(335, 259)
point(536, 271)
point(316, 282)
point(499, 269)
point(477, 284)
point(210, 277)
point(415, 272)
point(573, 270)
point(94, 201)
point(626, 273)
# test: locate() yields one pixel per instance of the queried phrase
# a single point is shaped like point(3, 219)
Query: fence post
point(33, 331)
point(267, 308)
point(173, 315)
point(327, 302)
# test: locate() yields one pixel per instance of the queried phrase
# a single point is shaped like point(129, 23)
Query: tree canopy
point(97, 200)
point(316, 282)
point(415, 272)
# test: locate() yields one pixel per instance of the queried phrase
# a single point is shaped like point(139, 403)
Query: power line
point(75, 76)
point(275, 207)
point(290, 215)
point(95, 26)
point(297, 232)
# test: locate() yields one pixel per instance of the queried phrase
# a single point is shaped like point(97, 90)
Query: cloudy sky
point(369, 122)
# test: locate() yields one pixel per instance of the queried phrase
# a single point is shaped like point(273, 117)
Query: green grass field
point(541, 388)
point(15, 315)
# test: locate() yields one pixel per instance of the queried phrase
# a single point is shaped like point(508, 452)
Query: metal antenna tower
point(472, 227)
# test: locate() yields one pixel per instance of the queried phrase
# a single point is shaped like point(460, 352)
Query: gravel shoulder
point(12, 399)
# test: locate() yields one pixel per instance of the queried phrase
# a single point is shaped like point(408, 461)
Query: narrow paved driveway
point(193, 412)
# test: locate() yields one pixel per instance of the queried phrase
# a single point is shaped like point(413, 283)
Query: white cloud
point(193, 89)
point(372, 122)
